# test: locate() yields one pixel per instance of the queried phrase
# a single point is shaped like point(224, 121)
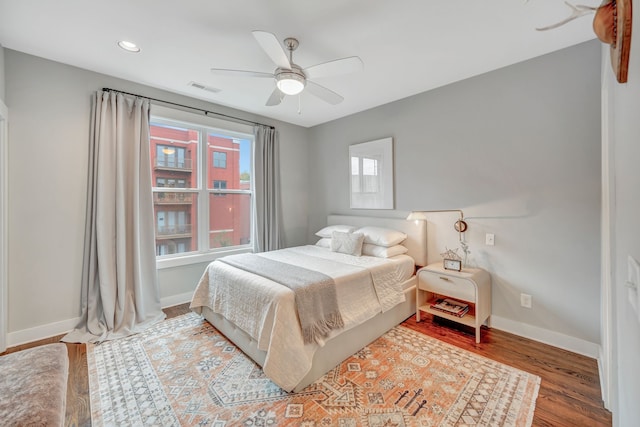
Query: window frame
point(206, 126)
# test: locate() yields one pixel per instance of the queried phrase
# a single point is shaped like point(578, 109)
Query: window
point(219, 160)
point(190, 217)
point(171, 182)
point(219, 185)
point(170, 156)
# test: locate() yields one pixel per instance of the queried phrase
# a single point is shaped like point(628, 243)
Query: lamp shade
point(290, 83)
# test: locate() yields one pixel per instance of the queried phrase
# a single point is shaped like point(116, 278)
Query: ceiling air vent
point(204, 87)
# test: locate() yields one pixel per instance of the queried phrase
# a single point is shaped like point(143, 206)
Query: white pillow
point(382, 236)
point(383, 252)
point(326, 232)
point(325, 242)
point(347, 243)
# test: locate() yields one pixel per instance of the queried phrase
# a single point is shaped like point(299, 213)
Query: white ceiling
point(407, 46)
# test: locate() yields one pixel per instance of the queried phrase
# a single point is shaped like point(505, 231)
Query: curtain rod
point(206, 112)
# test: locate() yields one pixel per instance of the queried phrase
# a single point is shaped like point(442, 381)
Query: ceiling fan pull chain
point(299, 104)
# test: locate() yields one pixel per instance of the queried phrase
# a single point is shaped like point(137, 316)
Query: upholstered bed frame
point(349, 342)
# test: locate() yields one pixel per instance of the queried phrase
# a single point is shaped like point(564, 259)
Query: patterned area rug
point(183, 372)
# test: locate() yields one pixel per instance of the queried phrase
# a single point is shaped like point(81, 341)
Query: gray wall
point(518, 150)
point(2, 90)
point(50, 105)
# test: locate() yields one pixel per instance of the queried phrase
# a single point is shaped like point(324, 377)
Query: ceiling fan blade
point(323, 93)
point(272, 47)
point(275, 98)
point(241, 73)
point(352, 64)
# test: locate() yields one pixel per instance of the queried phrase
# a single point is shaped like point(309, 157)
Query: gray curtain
point(268, 236)
point(119, 285)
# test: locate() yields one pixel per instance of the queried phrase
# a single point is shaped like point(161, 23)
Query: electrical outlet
point(525, 300)
point(490, 239)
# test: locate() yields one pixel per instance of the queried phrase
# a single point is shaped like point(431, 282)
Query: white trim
point(64, 326)
point(172, 300)
point(604, 385)
point(41, 332)
point(196, 258)
point(4, 229)
point(606, 365)
point(546, 336)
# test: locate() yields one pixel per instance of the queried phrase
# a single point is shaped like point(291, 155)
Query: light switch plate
point(525, 300)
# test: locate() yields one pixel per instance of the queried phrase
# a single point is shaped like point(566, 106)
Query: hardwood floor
point(570, 388)
point(569, 391)
point(78, 405)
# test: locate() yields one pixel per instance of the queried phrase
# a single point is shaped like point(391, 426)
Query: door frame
point(608, 212)
point(4, 238)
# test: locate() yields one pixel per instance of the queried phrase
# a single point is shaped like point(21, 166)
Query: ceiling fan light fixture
point(290, 83)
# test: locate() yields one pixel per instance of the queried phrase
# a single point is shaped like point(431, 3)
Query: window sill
point(199, 258)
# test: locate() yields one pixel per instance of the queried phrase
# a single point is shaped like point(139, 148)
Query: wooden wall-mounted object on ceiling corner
point(612, 25)
point(620, 50)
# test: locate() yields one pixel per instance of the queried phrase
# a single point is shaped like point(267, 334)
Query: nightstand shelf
point(471, 285)
point(468, 319)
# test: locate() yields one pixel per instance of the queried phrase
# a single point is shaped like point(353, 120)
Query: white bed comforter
point(266, 310)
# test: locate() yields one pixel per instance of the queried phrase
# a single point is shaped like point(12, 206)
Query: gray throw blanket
point(315, 292)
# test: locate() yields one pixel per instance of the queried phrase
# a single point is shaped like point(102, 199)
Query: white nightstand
point(471, 285)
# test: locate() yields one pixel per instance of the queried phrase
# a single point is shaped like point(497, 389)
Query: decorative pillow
point(383, 252)
point(382, 236)
point(325, 242)
point(347, 243)
point(326, 232)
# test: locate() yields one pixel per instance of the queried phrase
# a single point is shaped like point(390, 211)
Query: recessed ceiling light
point(128, 46)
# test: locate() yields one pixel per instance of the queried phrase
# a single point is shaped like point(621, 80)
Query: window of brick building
point(189, 218)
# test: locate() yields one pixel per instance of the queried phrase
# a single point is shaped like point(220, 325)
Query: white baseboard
point(546, 336)
point(41, 332)
point(603, 388)
point(607, 394)
point(62, 327)
point(172, 300)
point(535, 333)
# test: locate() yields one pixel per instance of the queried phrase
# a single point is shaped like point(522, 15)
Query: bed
point(263, 322)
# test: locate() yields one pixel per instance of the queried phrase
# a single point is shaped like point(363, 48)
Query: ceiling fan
point(290, 78)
